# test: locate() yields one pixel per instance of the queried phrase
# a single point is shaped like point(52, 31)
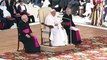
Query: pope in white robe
point(58, 34)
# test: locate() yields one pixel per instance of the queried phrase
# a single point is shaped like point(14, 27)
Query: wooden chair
point(45, 32)
point(18, 42)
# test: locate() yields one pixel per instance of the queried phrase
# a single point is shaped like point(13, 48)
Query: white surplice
point(58, 34)
point(5, 11)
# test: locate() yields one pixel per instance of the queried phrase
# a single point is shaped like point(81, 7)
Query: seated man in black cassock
point(25, 35)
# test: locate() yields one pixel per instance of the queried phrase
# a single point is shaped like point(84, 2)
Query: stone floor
point(57, 49)
point(8, 38)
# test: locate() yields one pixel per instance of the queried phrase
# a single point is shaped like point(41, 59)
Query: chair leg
point(41, 40)
point(49, 42)
point(18, 45)
point(49, 36)
point(41, 36)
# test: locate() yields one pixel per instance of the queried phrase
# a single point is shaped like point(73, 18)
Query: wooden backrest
point(42, 13)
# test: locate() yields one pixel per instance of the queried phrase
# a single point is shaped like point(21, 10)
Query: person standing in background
point(9, 5)
point(22, 9)
point(74, 4)
point(37, 2)
point(105, 10)
point(97, 13)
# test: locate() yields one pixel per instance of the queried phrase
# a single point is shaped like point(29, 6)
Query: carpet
point(91, 49)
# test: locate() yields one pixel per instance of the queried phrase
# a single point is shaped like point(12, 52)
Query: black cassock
point(73, 36)
point(31, 44)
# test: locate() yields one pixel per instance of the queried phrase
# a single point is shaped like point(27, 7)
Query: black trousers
point(29, 44)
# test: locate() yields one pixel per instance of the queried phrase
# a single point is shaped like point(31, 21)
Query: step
point(57, 49)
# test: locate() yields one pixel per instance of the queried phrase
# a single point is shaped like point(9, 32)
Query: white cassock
point(58, 35)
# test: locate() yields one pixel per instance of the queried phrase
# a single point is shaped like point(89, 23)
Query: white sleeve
point(49, 21)
point(5, 11)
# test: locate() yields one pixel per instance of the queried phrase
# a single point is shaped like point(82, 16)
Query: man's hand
point(62, 28)
point(56, 24)
point(50, 26)
point(28, 36)
point(63, 23)
point(31, 34)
